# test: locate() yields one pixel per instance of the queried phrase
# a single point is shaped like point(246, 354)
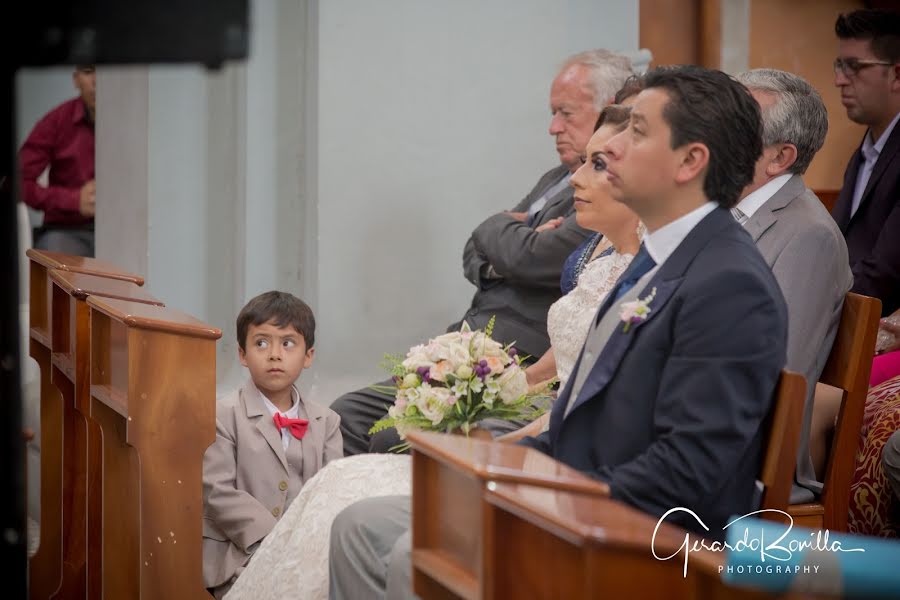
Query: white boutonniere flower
point(636, 311)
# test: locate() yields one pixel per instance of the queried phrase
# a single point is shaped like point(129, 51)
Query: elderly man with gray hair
point(798, 239)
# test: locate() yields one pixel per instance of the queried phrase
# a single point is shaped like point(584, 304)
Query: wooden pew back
point(779, 461)
point(848, 368)
point(153, 396)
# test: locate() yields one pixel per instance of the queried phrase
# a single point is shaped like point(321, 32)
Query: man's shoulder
point(806, 220)
point(66, 110)
point(729, 252)
point(552, 175)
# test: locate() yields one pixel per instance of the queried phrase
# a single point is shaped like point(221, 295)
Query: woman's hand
point(551, 224)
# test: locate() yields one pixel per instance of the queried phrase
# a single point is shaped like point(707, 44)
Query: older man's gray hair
point(797, 117)
point(608, 72)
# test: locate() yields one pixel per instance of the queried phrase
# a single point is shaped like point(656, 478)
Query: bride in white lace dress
point(292, 561)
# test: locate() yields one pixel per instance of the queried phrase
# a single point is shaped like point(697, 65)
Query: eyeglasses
point(850, 67)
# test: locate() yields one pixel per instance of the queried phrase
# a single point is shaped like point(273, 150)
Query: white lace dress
point(569, 318)
point(292, 561)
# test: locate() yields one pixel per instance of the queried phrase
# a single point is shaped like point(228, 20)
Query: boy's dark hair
point(711, 108)
point(880, 27)
point(281, 309)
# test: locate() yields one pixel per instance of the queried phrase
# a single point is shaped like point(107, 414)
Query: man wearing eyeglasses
point(867, 71)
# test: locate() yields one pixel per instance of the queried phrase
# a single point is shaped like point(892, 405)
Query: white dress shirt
point(749, 205)
point(663, 242)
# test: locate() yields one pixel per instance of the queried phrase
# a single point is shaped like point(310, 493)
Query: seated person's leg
point(358, 411)
point(399, 575)
point(73, 242)
point(363, 537)
point(825, 411)
point(890, 459)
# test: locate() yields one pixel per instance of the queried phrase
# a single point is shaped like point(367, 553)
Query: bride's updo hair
point(615, 115)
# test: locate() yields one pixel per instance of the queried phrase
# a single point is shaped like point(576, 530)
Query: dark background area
point(72, 32)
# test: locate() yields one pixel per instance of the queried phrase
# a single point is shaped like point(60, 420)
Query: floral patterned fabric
point(873, 508)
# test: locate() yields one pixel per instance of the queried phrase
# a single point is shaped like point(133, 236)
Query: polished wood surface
point(780, 459)
point(562, 545)
point(687, 32)
point(52, 348)
point(153, 396)
point(450, 473)
point(81, 264)
point(82, 285)
point(848, 369)
point(485, 459)
point(82, 441)
point(555, 544)
point(147, 317)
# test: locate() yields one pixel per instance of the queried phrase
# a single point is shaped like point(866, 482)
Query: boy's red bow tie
point(297, 427)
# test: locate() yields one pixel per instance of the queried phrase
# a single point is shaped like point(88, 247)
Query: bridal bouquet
point(456, 380)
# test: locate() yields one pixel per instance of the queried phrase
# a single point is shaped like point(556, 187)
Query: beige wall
point(798, 36)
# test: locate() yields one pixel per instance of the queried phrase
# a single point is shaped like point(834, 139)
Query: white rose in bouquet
point(434, 402)
point(417, 357)
point(513, 385)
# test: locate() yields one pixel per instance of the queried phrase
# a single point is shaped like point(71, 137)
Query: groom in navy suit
point(677, 374)
point(666, 408)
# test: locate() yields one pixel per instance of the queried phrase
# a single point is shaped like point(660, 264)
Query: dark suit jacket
point(873, 234)
point(528, 266)
point(670, 414)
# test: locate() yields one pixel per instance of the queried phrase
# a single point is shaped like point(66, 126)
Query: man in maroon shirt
point(64, 141)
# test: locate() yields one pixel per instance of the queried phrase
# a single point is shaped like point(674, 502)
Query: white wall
point(347, 161)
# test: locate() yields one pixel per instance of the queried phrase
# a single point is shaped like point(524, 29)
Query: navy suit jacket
point(873, 233)
point(670, 414)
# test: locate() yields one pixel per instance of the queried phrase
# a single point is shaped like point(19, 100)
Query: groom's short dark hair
point(711, 108)
point(281, 309)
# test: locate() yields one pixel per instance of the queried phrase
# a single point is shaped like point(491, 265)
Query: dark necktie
point(297, 427)
point(639, 267)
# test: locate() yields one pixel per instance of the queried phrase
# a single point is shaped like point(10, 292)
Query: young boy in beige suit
point(268, 439)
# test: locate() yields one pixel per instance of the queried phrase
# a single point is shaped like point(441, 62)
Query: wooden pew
point(450, 475)
point(153, 396)
point(493, 521)
point(848, 368)
point(81, 459)
point(553, 544)
point(45, 567)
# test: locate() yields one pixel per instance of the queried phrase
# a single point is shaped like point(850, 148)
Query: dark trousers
point(75, 241)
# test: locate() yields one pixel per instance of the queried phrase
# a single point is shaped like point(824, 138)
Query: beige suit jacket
point(249, 480)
